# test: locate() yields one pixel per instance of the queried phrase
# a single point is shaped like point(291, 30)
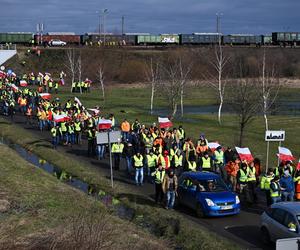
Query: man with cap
point(206, 162)
point(117, 150)
point(275, 190)
point(158, 175)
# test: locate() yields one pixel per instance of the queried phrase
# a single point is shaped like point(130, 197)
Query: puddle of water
point(120, 210)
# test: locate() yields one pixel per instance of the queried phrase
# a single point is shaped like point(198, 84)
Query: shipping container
point(242, 39)
point(45, 39)
point(18, 37)
point(200, 38)
point(158, 39)
point(110, 39)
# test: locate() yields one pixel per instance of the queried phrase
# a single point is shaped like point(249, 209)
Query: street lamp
point(218, 25)
point(105, 12)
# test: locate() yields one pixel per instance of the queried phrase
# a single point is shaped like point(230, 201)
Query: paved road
point(243, 228)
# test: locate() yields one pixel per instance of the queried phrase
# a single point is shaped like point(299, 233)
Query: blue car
point(207, 194)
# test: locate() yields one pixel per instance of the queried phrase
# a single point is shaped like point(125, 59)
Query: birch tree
point(152, 73)
point(79, 70)
point(71, 64)
point(101, 79)
point(216, 79)
point(270, 86)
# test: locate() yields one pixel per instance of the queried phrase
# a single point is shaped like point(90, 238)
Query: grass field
point(37, 210)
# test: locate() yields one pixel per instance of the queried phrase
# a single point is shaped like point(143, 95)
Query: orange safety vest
point(29, 112)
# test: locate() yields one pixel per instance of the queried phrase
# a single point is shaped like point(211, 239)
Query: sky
point(151, 16)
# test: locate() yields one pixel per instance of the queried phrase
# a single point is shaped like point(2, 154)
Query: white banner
point(272, 135)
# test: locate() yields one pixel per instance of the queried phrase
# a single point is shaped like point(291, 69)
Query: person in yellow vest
point(164, 160)
point(275, 190)
point(242, 181)
point(56, 87)
point(78, 131)
point(117, 150)
point(297, 183)
point(151, 164)
point(177, 163)
point(206, 162)
point(265, 183)
point(219, 163)
point(50, 85)
point(181, 136)
point(159, 175)
point(192, 165)
point(91, 135)
point(139, 168)
point(251, 183)
point(54, 132)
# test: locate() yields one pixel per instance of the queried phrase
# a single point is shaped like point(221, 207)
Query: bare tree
point(270, 86)
point(101, 79)
point(152, 72)
point(175, 80)
point(79, 70)
point(216, 79)
point(245, 102)
point(71, 64)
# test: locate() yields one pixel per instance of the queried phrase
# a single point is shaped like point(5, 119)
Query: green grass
point(41, 205)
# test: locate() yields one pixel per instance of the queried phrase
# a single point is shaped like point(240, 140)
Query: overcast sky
point(153, 16)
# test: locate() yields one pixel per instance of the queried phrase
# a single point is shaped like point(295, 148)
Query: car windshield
point(213, 185)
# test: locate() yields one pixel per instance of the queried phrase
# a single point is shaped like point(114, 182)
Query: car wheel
point(265, 236)
point(199, 211)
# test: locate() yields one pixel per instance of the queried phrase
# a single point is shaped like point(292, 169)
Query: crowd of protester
point(151, 153)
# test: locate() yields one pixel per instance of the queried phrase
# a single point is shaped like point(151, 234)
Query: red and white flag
point(104, 124)
point(14, 88)
point(61, 118)
point(298, 165)
point(244, 154)
point(45, 96)
point(96, 111)
point(213, 145)
point(78, 101)
point(23, 83)
point(285, 154)
point(2, 74)
point(164, 122)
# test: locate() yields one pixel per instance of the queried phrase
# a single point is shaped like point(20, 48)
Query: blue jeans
point(276, 199)
point(129, 163)
point(55, 141)
point(101, 151)
point(139, 175)
point(42, 124)
point(288, 196)
point(170, 199)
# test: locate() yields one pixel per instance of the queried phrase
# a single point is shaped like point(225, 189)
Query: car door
point(290, 219)
point(276, 226)
point(182, 190)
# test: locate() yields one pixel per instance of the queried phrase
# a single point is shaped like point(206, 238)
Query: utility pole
point(105, 11)
point(123, 23)
point(218, 25)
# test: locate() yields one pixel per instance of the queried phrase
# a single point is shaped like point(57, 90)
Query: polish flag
point(78, 101)
point(164, 122)
point(244, 154)
point(14, 88)
point(45, 96)
point(96, 111)
point(61, 118)
point(298, 165)
point(104, 124)
point(23, 83)
point(285, 154)
point(213, 145)
point(2, 74)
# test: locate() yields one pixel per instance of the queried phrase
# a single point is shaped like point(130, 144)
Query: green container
point(23, 38)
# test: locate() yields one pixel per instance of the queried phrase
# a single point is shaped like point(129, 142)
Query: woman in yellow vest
point(139, 169)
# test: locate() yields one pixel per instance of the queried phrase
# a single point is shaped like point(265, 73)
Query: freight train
point(140, 39)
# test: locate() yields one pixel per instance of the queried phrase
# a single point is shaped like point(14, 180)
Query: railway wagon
point(16, 37)
point(158, 39)
point(110, 39)
point(243, 39)
point(68, 37)
point(267, 40)
point(283, 38)
point(200, 38)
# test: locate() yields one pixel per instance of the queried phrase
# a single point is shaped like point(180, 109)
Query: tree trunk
point(220, 109)
point(242, 128)
point(174, 110)
point(102, 88)
point(152, 98)
point(181, 101)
